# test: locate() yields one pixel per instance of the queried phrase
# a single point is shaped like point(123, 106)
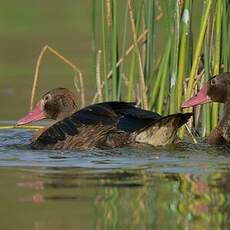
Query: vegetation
point(132, 62)
point(150, 52)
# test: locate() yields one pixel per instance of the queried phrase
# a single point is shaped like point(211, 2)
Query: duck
point(217, 89)
point(102, 125)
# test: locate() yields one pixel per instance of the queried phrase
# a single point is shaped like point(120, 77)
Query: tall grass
point(182, 48)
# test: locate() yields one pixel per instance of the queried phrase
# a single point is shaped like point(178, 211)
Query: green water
point(179, 187)
point(71, 198)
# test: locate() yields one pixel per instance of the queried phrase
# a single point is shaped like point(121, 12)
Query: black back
point(124, 116)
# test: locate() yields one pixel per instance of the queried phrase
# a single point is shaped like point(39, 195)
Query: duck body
point(221, 134)
point(102, 125)
point(217, 89)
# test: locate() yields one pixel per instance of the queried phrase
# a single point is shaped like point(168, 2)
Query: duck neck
point(68, 112)
point(218, 134)
point(64, 111)
point(227, 110)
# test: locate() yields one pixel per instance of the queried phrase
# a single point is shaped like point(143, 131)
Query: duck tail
point(162, 131)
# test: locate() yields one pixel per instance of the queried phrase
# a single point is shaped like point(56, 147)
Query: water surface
point(184, 186)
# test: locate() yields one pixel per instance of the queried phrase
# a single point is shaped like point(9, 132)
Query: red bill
point(201, 98)
point(35, 115)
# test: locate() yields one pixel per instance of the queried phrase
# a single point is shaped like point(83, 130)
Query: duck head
point(55, 104)
point(217, 89)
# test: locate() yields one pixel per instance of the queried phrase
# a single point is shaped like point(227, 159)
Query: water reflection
point(133, 198)
point(184, 186)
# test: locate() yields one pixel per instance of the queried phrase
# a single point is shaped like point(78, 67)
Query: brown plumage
point(217, 89)
point(102, 125)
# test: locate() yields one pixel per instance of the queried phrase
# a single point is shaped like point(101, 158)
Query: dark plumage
point(102, 125)
point(217, 89)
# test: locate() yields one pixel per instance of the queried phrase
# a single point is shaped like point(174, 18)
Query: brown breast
point(85, 137)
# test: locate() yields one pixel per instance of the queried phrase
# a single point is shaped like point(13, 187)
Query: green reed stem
point(156, 86)
point(114, 50)
point(123, 48)
point(229, 44)
point(35, 127)
point(217, 56)
point(164, 78)
point(228, 35)
point(225, 38)
point(149, 12)
point(132, 73)
point(183, 49)
point(206, 111)
point(196, 57)
point(143, 89)
point(103, 46)
point(133, 64)
point(94, 27)
point(174, 57)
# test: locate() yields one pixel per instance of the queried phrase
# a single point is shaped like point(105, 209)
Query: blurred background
point(25, 27)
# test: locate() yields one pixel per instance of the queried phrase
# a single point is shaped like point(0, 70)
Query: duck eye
point(47, 97)
point(213, 82)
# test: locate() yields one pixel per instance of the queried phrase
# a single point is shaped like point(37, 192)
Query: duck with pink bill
point(217, 89)
point(103, 125)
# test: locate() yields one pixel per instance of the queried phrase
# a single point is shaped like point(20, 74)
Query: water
point(184, 186)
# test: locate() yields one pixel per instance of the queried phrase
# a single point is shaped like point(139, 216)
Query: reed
point(206, 112)
point(216, 61)
point(114, 48)
point(77, 79)
point(143, 52)
point(33, 127)
point(161, 70)
point(103, 45)
point(183, 57)
point(175, 29)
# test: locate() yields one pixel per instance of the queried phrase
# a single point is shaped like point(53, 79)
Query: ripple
point(183, 157)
